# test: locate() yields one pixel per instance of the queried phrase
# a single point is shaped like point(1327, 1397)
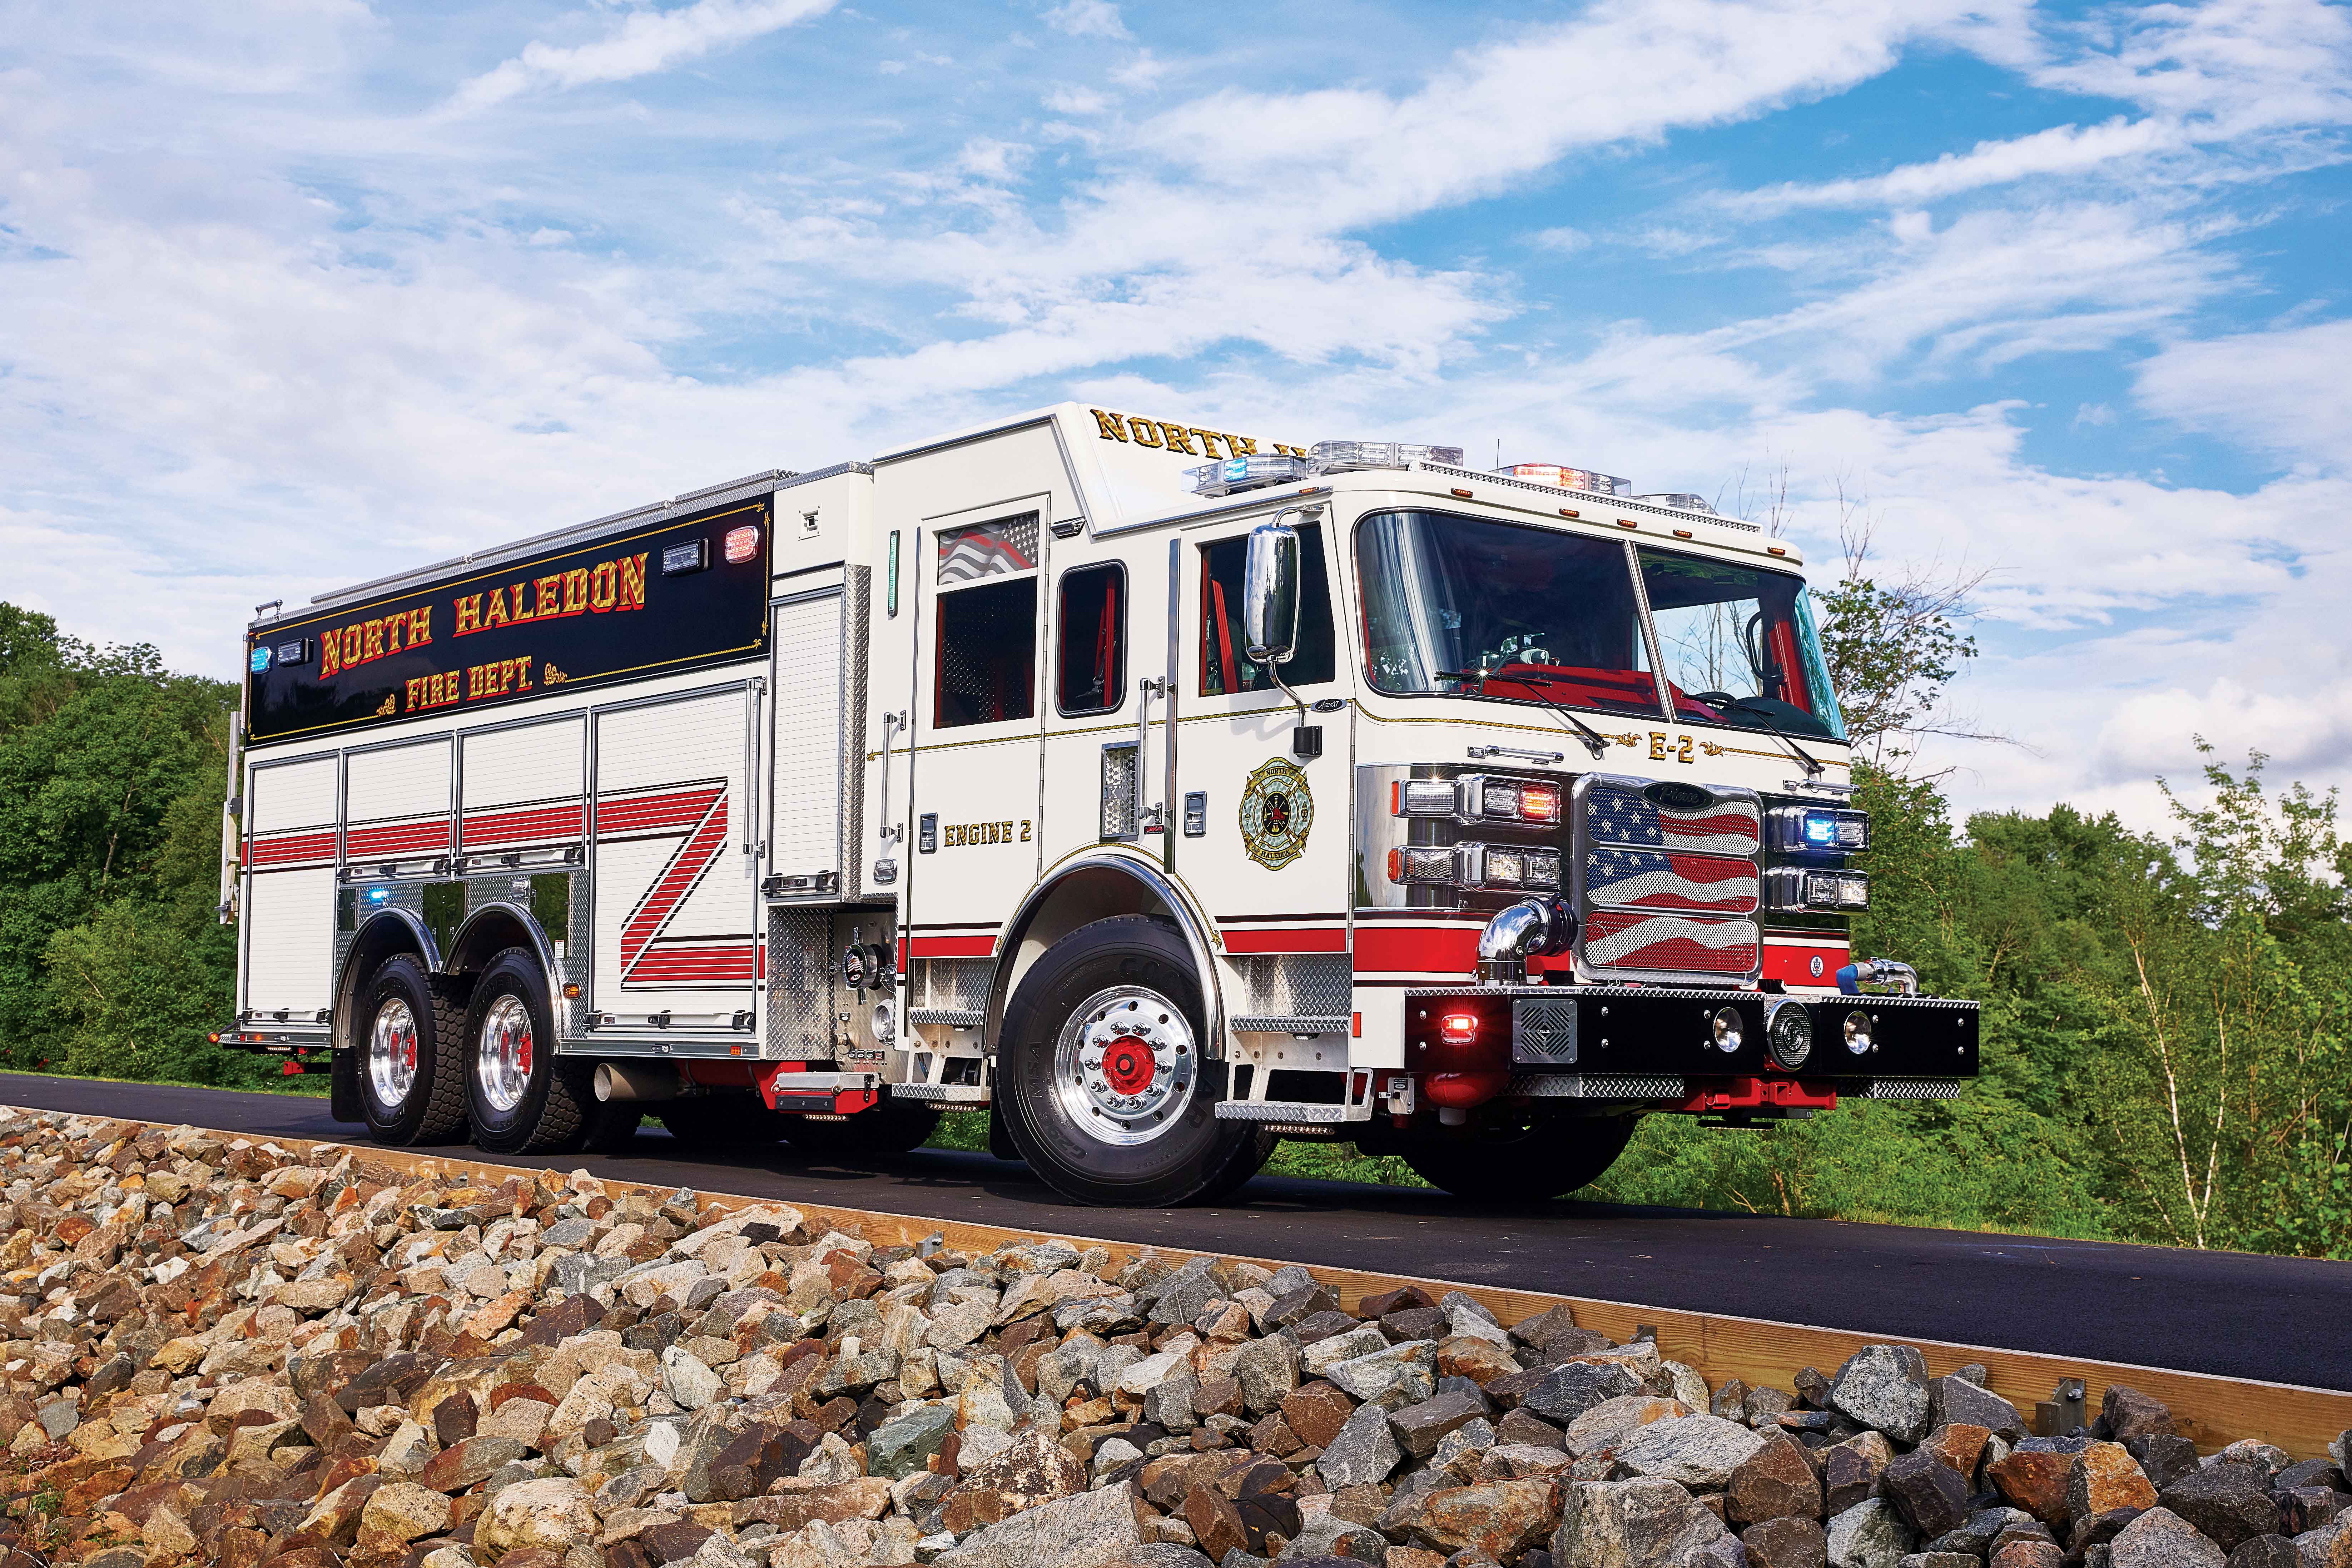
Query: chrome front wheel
point(1124, 1065)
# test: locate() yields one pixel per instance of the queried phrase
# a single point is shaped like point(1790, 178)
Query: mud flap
point(343, 1087)
point(1000, 1143)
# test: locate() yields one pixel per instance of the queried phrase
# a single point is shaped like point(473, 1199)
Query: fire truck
point(1161, 791)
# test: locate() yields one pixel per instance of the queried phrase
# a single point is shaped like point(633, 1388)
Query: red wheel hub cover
point(1127, 1066)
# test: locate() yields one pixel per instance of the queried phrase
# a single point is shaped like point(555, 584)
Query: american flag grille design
point(1679, 944)
point(1655, 880)
point(1615, 815)
point(990, 550)
point(1665, 885)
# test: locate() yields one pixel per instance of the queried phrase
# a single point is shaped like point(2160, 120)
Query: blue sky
point(295, 293)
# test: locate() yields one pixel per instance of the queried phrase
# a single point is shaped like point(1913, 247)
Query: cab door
point(975, 727)
point(1262, 831)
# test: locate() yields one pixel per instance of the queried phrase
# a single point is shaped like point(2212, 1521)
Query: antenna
point(1498, 454)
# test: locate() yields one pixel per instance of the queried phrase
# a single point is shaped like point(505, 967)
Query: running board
point(972, 1096)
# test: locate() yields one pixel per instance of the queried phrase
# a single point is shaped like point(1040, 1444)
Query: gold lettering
point(1657, 746)
point(632, 583)
point(551, 595)
point(1208, 441)
point(600, 586)
point(1113, 428)
point(1683, 751)
point(523, 673)
point(522, 612)
point(1147, 433)
point(496, 614)
point(354, 644)
point(1176, 442)
point(393, 626)
point(1024, 830)
point(372, 641)
point(469, 615)
point(330, 655)
point(575, 592)
point(413, 685)
point(1242, 446)
point(420, 624)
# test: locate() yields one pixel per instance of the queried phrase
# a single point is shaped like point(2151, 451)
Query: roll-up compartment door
point(523, 787)
point(287, 926)
point(675, 901)
point(804, 802)
point(396, 803)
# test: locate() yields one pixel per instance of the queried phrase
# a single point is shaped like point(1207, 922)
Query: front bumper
point(1657, 1043)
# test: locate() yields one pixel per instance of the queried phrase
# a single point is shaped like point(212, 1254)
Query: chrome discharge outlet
point(1527, 928)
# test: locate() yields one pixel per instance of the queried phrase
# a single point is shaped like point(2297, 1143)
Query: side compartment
point(676, 940)
point(287, 935)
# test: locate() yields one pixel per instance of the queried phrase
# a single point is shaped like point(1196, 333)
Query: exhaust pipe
point(628, 1081)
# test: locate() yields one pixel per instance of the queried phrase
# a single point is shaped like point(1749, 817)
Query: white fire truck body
point(1164, 789)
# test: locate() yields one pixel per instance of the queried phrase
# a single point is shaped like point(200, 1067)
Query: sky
point(294, 293)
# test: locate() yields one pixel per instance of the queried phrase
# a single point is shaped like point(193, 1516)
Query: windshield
point(1464, 607)
point(1493, 609)
point(1738, 645)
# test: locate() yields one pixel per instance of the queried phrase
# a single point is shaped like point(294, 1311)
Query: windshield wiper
point(1814, 769)
point(1594, 741)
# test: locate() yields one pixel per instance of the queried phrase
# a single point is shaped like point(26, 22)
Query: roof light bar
point(1569, 478)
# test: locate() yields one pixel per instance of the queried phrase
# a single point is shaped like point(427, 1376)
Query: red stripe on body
point(488, 828)
point(1328, 939)
point(277, 849)
point(402, 839)
point(948, 947)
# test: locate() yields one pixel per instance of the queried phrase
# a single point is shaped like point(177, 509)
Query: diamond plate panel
point(1597, 1086)
point(802, 996)
point(953, 984)
point(1299, 985)
point(1914, 1088)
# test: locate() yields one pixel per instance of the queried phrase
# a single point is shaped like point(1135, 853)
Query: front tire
point(524, 1098)
point(1100, 1080)
point(411, 1078)
point(1526, 1159)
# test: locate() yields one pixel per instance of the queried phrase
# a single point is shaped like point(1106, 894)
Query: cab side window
point(987, 628)
point(1091, 657)
point(1225, 665)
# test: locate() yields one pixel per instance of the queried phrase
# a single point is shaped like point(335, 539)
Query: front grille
point(1665, 874)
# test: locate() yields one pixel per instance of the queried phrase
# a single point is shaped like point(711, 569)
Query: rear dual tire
point(427, 1066)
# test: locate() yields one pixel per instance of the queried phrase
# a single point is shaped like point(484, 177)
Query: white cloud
point(1561, 241)
point(2287, 391)
point(647, 41)
point(2060, 150)
point(1087, 19)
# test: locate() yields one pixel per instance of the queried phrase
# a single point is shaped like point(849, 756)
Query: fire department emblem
point(1277, 810)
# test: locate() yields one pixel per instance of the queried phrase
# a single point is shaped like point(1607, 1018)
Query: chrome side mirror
point(1270, 593)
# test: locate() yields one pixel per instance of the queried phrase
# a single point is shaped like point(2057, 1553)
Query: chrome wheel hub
point(392, 1052)
point(502, 1055)
point(1124, 1065)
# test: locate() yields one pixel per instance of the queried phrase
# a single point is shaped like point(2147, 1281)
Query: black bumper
point(1918, 1046)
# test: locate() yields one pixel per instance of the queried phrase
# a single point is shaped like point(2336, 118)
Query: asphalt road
point(2232, 1314)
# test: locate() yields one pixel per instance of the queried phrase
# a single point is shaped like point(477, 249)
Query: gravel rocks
point(221, 1351)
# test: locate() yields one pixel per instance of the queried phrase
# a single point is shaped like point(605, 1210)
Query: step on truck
point(1161, 791)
